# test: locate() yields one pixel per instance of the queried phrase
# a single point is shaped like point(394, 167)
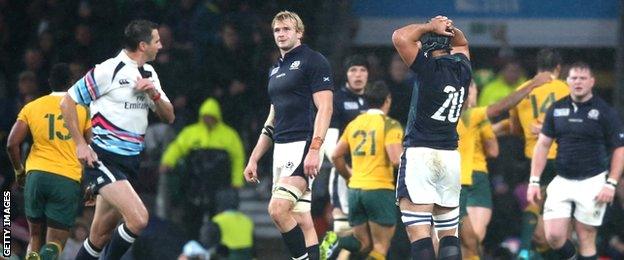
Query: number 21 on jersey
point(451, 108)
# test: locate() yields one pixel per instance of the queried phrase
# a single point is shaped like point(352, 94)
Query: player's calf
point(446, 225)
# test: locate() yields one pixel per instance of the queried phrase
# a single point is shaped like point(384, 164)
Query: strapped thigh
point(287, 192)
point(413, 218)
point(447, 221)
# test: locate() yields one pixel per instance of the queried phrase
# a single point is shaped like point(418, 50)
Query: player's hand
point(86, 155)
point(311, 163)
point(146, 85)
point(606, 194)
point(251, 172)
point(542, 78)
point(534, 194)
point(20, 177)
point(442, 25)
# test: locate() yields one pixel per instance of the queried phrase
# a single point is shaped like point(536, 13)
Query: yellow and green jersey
point(53, 150)
point(367, 136)
point(485, 133)
point(468, 129)
point(532, 109)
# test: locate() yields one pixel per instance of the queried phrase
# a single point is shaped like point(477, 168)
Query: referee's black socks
point(121, 240)
point(295, 242)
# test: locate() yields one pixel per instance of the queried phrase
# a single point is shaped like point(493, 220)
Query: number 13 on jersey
point(452, 106)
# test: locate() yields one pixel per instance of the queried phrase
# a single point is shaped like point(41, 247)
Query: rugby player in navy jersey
point(428, 184)
point(587, 130)
point(301, 92)
point(348, 104)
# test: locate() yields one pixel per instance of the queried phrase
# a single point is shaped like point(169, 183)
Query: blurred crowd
point(223, 49)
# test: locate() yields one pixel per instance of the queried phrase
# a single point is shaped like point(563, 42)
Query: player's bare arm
point(538, 162)
point(16, 137)
point(86, 155)
point(607, 193)
point(265, 141)
point(515, 128)
point(459, 43)
point(342, 149)
point(164, 109)
point(394, 153)
point(324, 102)
point(490, 146)
point(406, 39)
point(514, 98)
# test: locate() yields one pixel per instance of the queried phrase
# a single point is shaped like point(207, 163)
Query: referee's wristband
point(156, 97)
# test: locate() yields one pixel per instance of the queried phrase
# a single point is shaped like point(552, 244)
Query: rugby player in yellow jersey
point(526, 120)
point(52, 191)
point(479, 203)
point(475, 190)
point(373, 140)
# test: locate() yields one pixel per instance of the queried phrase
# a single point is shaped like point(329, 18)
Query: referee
point(586, 129)
point(299, 84)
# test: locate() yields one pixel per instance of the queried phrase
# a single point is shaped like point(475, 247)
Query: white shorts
point(288, 161)
point(562, 193)
point(338, 191)
point(429, 176)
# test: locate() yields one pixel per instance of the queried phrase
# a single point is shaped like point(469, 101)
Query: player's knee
point(283, 199)
point(555, 239)
point(366, 244)
point(138, 222)
point(279, 209)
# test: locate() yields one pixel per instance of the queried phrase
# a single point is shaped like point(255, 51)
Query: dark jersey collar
point(295, 51)
point(348, 91)
point(589, 102)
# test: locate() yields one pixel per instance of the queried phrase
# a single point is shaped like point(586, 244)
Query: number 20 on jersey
point(451, 108)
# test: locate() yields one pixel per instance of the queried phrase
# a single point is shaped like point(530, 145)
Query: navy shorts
point(111, 167)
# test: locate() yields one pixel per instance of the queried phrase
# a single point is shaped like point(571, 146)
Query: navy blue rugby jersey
point(347, 106)
point(585, 134)
point(437, 100)
point(292, 81)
